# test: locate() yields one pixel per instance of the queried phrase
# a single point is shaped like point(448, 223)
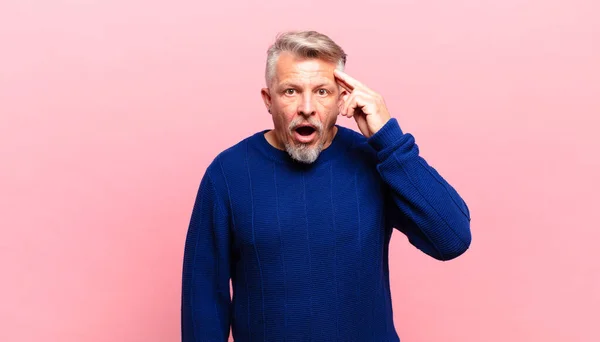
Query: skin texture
point(312, 92)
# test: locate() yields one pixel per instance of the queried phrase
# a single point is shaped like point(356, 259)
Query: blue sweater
point(306, 246)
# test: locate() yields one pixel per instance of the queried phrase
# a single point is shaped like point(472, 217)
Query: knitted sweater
point(306, 246)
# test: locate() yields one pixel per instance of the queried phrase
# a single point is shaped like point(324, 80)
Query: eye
point(290, 91)
point(323, 92)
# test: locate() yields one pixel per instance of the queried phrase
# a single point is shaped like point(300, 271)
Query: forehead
point(291, 68)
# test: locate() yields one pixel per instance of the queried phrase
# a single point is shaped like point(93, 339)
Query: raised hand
point(365, 105)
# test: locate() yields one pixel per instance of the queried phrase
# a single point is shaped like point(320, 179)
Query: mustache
point(311, 121)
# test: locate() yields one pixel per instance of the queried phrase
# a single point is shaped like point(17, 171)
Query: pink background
point(111, 110)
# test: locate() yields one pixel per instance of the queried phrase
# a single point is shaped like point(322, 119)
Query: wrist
point(387, 135)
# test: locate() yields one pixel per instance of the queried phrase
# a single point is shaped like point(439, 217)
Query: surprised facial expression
point(303, 99)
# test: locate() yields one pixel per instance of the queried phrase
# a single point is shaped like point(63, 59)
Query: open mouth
point(305, 131)
point(305, 134)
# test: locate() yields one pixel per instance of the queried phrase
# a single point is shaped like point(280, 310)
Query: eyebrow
point(294, 85)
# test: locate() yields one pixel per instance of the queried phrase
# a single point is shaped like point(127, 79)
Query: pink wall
point(111, 110)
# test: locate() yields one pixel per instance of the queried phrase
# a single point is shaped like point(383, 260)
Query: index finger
point(346, 79)
point(344, 85)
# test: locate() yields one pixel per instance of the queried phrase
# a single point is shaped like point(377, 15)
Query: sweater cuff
point(389, 134)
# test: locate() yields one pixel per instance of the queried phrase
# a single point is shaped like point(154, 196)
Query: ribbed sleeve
point(205, 287)
point(427, 208)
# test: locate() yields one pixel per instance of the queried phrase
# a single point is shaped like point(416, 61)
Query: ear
point(342, 96)
point(266, 95)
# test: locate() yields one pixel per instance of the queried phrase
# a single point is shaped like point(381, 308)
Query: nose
point(307, 106)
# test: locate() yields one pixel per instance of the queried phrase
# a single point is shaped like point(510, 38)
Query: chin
point(304, 154)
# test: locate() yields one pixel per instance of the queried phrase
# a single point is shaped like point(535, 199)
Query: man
point(300, 217)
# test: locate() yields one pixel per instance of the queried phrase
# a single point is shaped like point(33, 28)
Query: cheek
point(287, 108)
point(282, 119)
point(328, 110)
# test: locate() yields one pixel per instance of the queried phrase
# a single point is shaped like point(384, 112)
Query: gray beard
point(304, 153)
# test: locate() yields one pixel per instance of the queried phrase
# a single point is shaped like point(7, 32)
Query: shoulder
point(227, 166)
point(229, 159)
point(358, 145)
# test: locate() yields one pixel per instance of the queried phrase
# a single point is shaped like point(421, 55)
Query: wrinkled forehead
point(304, 71)
point(305, 81)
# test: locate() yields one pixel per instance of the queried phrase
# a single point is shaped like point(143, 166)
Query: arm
point(205, 301)
point(422, 204)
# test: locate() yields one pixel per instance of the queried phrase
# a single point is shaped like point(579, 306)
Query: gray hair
point(304, 44)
